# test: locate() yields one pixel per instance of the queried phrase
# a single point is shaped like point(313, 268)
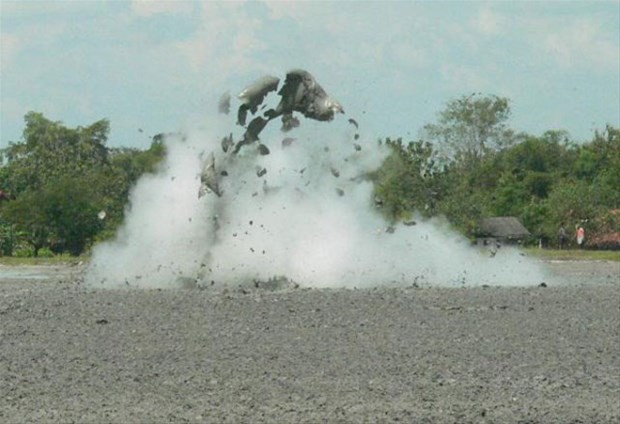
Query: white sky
point(157, 65)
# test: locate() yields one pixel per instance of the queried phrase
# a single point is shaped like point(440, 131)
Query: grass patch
point(570, 254)
point(55, 260)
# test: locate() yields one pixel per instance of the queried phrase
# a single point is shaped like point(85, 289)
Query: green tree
point(62, 214)
point(408, 180)
point(62, 177)
point(50, 150)
point(598, 163)
point(72, 212)
point(471, 126)
point(26, 217)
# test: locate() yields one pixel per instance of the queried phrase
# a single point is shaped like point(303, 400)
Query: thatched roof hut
point(506, 229)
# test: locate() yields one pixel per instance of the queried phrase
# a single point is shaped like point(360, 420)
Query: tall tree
point(470, 126)
point(50, 150)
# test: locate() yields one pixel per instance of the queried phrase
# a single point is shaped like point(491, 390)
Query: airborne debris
point(287, 142)
point(300, 93)
point(223, 106)
point(253, 95)
point(208, 178)
point(263, 150)
point(227, 142)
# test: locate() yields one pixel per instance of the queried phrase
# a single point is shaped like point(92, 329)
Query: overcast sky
point(160, 65)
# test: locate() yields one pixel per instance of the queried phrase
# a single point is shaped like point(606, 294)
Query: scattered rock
point(263, 150)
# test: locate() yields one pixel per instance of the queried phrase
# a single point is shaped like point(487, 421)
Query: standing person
point(581, 236)
point(561, 236)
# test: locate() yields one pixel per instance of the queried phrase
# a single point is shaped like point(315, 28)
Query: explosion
point(297, 209)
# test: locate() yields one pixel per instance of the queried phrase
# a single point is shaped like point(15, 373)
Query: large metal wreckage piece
point(300, 93)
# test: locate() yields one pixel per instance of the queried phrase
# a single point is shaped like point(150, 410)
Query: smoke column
point(310, 218)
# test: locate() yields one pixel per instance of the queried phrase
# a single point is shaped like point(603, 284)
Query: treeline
point(62, 189)
point(470, 165)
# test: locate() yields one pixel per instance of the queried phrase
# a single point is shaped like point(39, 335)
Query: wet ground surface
point(537, 354)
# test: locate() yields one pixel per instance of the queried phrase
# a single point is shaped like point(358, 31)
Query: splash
point(297, 209)
point(305, 212)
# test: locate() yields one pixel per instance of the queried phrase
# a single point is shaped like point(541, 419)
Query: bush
point(23, 252)
point(45, 252)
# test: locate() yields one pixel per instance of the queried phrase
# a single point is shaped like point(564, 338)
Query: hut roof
point(503, 226)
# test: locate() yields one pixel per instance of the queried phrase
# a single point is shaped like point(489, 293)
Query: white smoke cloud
point(310, 218)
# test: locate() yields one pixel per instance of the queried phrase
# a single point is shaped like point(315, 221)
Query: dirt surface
point(538, 354)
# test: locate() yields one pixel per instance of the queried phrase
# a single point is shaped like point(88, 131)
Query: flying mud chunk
point(302, 93)
point(299, 93)
point(251, 135)
point(208, 178)
point(227, 143)
point(253, 95)
point(263, 150)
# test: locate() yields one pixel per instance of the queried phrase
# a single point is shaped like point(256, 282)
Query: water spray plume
point(300, 209)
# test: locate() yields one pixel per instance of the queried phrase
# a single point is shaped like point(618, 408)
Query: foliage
point(468, 165)
point(50, 150)
point(61, 178)
point(481, 168)
point(28, 220)
point(471, 126)
point(406, 182)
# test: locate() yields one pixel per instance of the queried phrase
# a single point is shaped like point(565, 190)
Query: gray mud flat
point(536, 355)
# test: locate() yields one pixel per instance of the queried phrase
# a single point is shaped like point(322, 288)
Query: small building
point(501, 230)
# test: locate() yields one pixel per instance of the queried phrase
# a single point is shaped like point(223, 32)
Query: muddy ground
point(537, 354)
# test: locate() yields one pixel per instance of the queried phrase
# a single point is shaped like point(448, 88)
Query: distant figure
point(561, 236)
point(581, 236)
